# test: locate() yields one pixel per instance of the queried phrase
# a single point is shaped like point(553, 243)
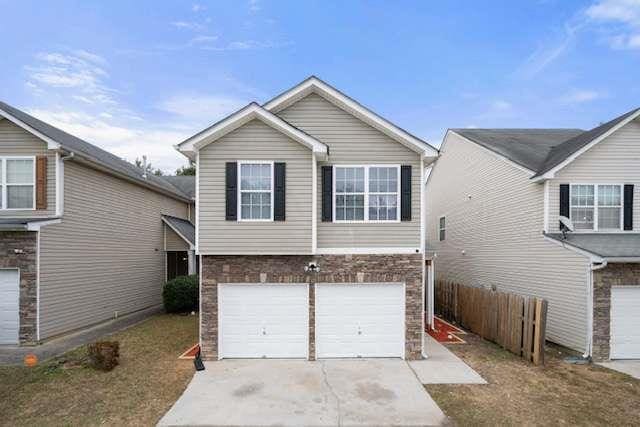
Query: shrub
point(104, 355)
point(180, 295)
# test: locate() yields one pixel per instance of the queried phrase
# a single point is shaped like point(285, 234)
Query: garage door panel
point(9, 306)
point(625, 322)
point(263, 320)
point(359, 320)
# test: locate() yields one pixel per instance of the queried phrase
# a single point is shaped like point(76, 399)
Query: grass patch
point(65, 391)
point(520, 393)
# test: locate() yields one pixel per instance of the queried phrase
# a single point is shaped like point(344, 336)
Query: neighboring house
point(495, 197)
point(310, 230)
point(81, 232)
point(180, 236)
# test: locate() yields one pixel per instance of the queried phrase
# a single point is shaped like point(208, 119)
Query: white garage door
point(625, 322)
point(263, 320)
point(359, 320)
point(9, 306)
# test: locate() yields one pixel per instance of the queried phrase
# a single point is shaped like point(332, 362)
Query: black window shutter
point(564, 202)
point(405, 193)
point(628, 206)
point(231, 191)
point(279, 186)
point(327, 193)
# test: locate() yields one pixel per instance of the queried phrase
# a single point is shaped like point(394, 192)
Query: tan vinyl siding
point(494, 213)
point(15, 141)
point(616, 160)
point(107, 254)
point(352, 141)
point(173, 242)
point(254, 141)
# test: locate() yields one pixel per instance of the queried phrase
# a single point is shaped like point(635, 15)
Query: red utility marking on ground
point(190, 353)
point(445, 332)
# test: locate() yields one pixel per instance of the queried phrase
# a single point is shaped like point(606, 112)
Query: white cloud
point(254, 6)
point(196, 7)
point(578, 96)
point(188, 25)
point(624, 15)
point(79, 71)
point(201, 109)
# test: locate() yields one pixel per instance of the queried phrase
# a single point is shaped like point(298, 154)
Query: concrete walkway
point(13, 355)
point(360, 392)
point(443, 367)
point(629, 367)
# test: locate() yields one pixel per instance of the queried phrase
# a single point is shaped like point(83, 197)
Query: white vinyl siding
point(173, 242)
point(494, 223)
point(353, 142)
point(613, 161)
point(106, 256)
point(15, 142)
point(254, 141)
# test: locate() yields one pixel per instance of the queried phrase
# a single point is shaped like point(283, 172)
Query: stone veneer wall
point(333, 269)
point(27, 263)
point(612, 275)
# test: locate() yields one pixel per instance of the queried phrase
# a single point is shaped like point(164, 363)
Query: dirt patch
point(65, 391)
point(374, 392)
point(520, 393)
point(248, 389)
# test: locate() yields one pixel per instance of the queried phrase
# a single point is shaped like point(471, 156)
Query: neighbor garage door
point(9, 306)
point(359, 320)
point(263, 320)
point(625, 322)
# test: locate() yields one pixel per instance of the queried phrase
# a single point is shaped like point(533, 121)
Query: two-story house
point(310, 230)
point(495, 200)
point(85, 236)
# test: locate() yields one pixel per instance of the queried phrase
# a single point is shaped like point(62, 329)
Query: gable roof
point(183, 228)
point(526, 147)
point(185, 183)
point(56, 138)
point(543, 151)
point(232, 122)
point(564, 151)
point(314, 85)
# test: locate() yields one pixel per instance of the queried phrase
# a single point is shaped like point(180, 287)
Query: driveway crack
point(332, 391)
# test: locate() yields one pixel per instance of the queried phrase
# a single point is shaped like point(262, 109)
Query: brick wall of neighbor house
point(27, 263)
point(603, 280)
point(333, 269)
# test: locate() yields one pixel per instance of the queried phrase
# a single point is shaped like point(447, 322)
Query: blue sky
point(137, 77)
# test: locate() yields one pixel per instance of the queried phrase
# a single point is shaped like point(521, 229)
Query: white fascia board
point(251, 112)
point(191, 246)
point(315, 85)
point(592, 257)
point(552, 172)
point(37, 224)
point(51, 144)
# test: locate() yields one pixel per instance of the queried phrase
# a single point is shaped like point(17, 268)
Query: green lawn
point(65, 391)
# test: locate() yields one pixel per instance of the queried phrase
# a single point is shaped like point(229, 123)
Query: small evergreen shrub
point(180, 295)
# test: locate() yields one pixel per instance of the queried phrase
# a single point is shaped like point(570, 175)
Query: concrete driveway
point(300, 393)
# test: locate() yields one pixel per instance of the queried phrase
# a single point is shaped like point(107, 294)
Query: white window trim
point(596, 206)
point(366, 194)
point(272, 191)
point(4, 185)
point(442, 229)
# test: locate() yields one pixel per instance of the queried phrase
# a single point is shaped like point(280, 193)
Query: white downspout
point(593, 267)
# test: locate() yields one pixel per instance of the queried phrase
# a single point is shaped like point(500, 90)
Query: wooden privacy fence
point(515, 322)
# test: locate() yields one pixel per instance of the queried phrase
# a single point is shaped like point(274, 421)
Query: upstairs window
point(442, 228)
point(17, 183)
point(366, 193)
point(596, 207)
point(256, 191)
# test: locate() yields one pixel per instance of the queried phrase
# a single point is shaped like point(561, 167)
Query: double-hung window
point(596, 206)
point(256, 191)
point(442, 228)
point(366, 193)
point(17, 183)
